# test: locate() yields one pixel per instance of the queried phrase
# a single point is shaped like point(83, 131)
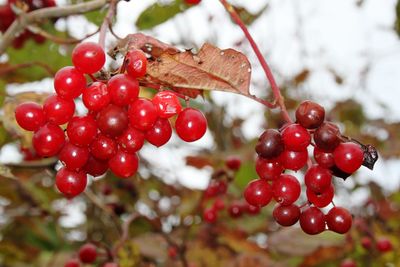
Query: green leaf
point(95, 17)
point(247, 17)
point(246, 173)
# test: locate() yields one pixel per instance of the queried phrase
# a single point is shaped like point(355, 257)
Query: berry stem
point(275, 89)
point(107, 23)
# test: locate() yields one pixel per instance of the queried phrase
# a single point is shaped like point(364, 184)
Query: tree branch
point(107, 22)
point(26, 19)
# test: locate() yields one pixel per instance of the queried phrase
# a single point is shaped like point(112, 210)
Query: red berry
point(73, 157)
point(235, 210)
point(30, 116)
point(192, 2)
point(103, 147)
point(269, 169)
point(233, 162)
point(258, 193)
point(310, 115)
point(324, 159)
point(131, 140)
point(295, 137)
point(112, 120)
point(218, 204)
point(366, 242)
point(348, 263)
point(286, 215)
point(312, 221)
point(81, 131)
point(95, 167)
point(58, 110)
point(348, 157)
point(88, 253)
point(96, 96)
point(327, 136)
point(72, 263)
point(339, 220)
point(123, 164)
point(286, 189)
point(136, 63)
point(69, 83)
point(210, 215)
point(167, 104)
point(191, 125)
point(318, 179)
point(48, 140)
point(253, 210)
point(172, 252)
point(384, 245)
point(294, 160)
point(71, 183)
point(88, 57)
point(160, 133)
point(123, 89)
point(270, 144)
point(142, 114)
point(322, 199)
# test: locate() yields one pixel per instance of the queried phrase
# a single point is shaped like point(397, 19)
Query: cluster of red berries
point(287, 150)
point(87, 254)
point(116, 126)
point(7, 16)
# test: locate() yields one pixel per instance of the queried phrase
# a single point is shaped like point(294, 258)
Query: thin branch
point(12, 68)
point(38, 15)
point(107, 23)
point(125, 232)
point(275, 89)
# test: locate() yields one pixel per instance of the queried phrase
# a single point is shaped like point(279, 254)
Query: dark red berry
point(318, 179)
point(191, 125)
point(88, 253)
point(269, 169)
point(95, 167)
point(312, 221)
point(310, 115)
point(69, 83)
point(58, 110)
point(348, 157)
point(167, 104)
point(235, 210)
point(366, 242)
point(103, 147)
point(136, 63)
point(48, 140)
point(324, 159)
point(258, 193)
point(131, 140)
point(172, 252)
point(286, 215)
point(339, 220)
point(73, 157)
point(294, 160)
point(322, 199)
point(160, 133)
point(348, 263)
point(72, 263)
point(142, 114)
point(218, 204)
point(124, 165)
point(112, 120)
point(81, 131)
point(253, 210)
point(286, 189)
point(270, 144)
point(233, 162)
point(192, 2)
point(327, 136)
point(96, 96)
point(295, 137)
point(71, 183)
point(210, 215)
point(384, 245)
point(88, 57)
point(123, 89)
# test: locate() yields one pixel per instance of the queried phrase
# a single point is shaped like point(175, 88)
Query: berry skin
point(312, 221)
point(233, 163)
point(95, 167)
point(103, 147)
point(384, 245)
point(81, 131)
point(339, 220)
point(326, 137)
point(318, 179)
point(167, 104)
point(124, 165)
point(286, 215)
point(191, 125)
point(72, 263)
point(322, 199)
point(58, 110)
point(348, 157)
point(48, 140)
point(69, 83)
point(160, 133)
point(112, 120)
point(96, 96)
point(142, 114)
point(71, 183)
point(268, 169)
point(295, 137)
point(348, 263)
point(258, 193)
point(270, 144)
point(286, 189)
point(88, 253)
point(210, 215)
point(310, 115)
point(123, 89)
point(30, 116)
point(88, 57)
point(73, 157)
point(136, 63)
point(294, 160)
point(131, 140)
point(324, 159)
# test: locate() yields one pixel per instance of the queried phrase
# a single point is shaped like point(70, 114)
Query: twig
point(107, 23)
point(26, 19)
point(7, 69)
point(125, 232)
point(275, 89)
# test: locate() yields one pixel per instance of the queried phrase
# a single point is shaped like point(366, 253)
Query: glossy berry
point(112, 120)
point(384, 245)
point(131, 140)
point(87, 253)
point(30, 116)
point(286, 215)
point(48, 140)
point(235, 210)
point(294, 160)
point(312, 221)
point(81, 131)
point(324, 159)
point(270, 144)
point(72, 263)
point(123, 89)
point(233, 163)
point(142, 114)
point(69, 83)
point(327, 137)
point(348, 263)
point(218, 204)
point(258, 193)
point(58, 110)
point(310, 115)
point(210, 215)
point(124, 165)
point(73, 157)
point(348, 157)
point(339, 220)
point(318, 179)
point(191, 125)
point(296, 137)
point(103, 147)
point(88, 57)
point(136, 63)
point(269, 169)
point(322, 199)
point(366, 242)
point(160, 133)
point(286, 189)
point(70, 183)
point(167, 104)
point(96, 96)
point(192, 2)
point(95, 167)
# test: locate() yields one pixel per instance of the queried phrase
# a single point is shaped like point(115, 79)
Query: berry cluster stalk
point(107, 23)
